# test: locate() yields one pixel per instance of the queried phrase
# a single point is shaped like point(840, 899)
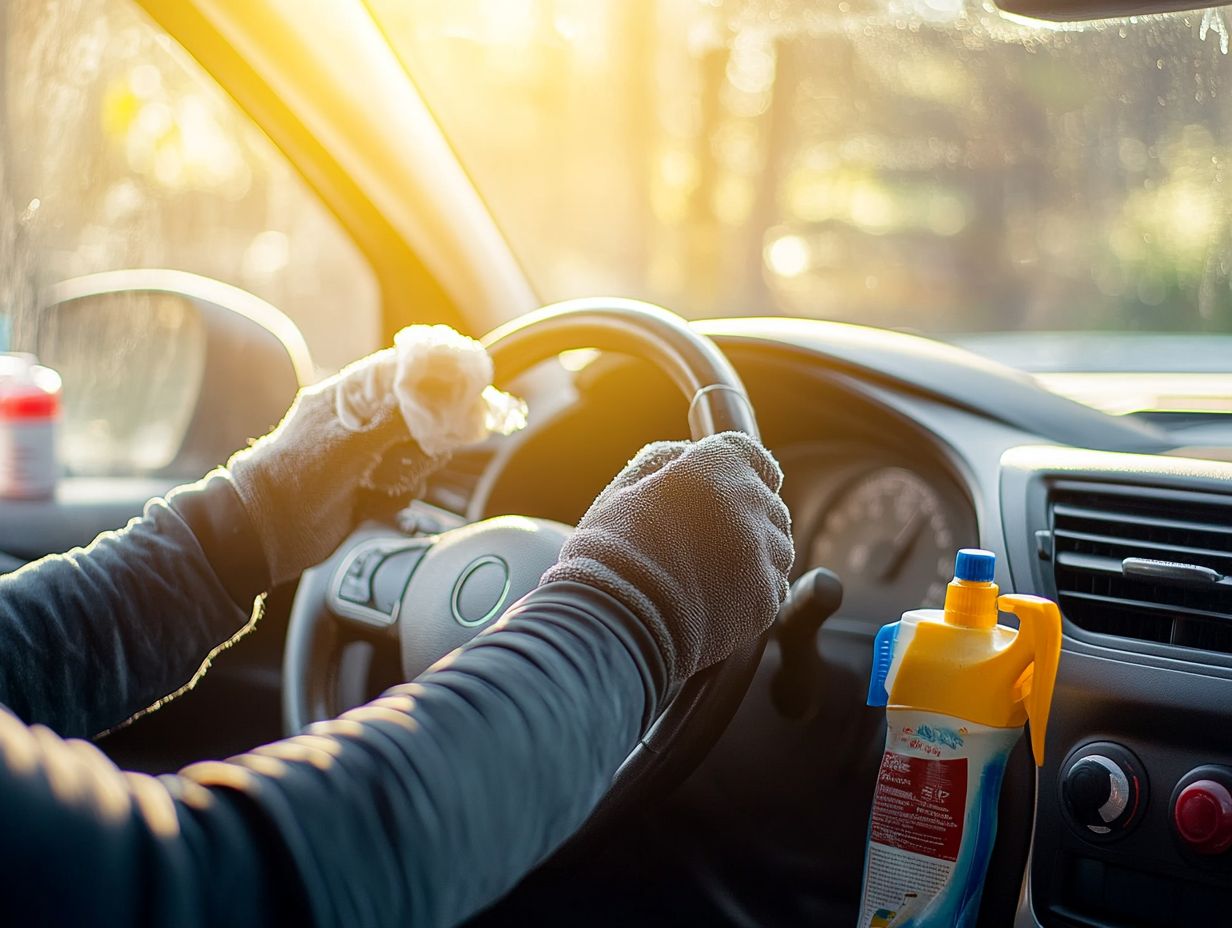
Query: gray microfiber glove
point(341, 448)
point(695, 541)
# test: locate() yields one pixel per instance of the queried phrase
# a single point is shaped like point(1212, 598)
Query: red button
point(1203, 816)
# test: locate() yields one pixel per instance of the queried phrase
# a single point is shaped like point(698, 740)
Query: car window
point(923, 164)
point(119, 151)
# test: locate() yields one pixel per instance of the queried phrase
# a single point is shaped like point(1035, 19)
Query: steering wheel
point(435, 593)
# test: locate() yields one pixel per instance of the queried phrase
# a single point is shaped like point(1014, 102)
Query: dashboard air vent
point(1145, 563)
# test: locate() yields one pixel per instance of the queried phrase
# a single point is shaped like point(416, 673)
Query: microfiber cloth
point(377, 429)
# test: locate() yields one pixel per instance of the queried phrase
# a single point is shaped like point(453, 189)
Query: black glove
point(695, 541)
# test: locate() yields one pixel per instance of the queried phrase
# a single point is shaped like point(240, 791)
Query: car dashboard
point(897, 451)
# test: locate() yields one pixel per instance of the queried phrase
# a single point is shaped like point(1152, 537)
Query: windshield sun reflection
point(920, 164)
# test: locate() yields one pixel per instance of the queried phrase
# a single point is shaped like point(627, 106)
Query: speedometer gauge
point(887, 535)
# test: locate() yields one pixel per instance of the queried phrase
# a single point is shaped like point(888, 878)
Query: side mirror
point(165, 373)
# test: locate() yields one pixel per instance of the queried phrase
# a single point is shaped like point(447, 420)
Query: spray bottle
point(29, 420)
point(957, 688)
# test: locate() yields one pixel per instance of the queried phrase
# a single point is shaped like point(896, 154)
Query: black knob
point(796, 686)
point(1096, 790)
point(1103, 789)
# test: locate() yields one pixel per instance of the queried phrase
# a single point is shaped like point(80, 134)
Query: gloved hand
point(695, 541)
point(367, 437)
point(341, 445)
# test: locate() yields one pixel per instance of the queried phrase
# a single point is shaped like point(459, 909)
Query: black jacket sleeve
point(92, 637)
point(417, 809)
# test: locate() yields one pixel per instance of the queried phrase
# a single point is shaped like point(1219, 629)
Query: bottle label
point(931, 774)
point(28, 463)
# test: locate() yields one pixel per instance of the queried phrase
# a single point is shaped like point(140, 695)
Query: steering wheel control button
point(481, 591)
point(390, 580)
point(369, 585)
point(355, 584)
point(1103, 790)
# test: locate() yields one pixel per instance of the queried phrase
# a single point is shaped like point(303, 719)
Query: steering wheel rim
point(718, 401)
point(700, 710)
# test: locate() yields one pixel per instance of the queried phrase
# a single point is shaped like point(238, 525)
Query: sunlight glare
point(788, 256)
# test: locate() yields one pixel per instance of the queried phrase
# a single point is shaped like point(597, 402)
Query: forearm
point(418, 809)
point(91, 637)
point(481, 768)
point(86, 844)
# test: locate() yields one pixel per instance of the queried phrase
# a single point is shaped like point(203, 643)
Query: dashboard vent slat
point(1077, 512)
point(1095, 528)
point(1132, 604)
point(1156, 546)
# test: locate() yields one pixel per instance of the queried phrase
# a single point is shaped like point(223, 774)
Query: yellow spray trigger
point(1038, 645)
point(960, 662)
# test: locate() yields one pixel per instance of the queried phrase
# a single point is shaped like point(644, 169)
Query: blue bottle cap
point(975, 565)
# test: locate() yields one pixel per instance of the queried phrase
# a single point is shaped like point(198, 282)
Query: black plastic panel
point(1170, 705)
point(945, 373)
point(1173, 722)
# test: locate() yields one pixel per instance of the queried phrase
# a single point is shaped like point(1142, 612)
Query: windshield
point(921, 164)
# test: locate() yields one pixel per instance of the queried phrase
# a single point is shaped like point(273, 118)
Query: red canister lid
point(27, 390)
point(29, 406)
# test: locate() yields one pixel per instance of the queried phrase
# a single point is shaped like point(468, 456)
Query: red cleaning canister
point(29, 422)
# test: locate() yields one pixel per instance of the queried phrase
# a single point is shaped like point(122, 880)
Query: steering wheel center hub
point(467, 579)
